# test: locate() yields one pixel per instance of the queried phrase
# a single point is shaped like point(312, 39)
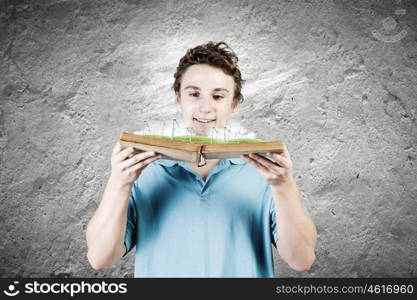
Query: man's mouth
point(204, 121)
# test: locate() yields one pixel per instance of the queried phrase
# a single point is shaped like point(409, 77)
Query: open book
point(196, 150)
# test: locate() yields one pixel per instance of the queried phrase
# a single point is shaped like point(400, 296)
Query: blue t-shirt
point(183, 226)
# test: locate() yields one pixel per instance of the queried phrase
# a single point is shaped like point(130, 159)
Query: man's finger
point(286, 153)
point(136, 159)
point(268, 164)
point(122, 155)
point(117, 148)
point(143, 163)
point(279, 159)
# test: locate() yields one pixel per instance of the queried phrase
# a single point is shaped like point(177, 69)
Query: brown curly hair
point(216, 54)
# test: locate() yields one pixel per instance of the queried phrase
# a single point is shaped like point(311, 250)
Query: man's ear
point(235, 106)
point(178, 100)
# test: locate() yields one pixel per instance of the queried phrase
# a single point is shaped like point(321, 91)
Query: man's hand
point(278, 172)
point(127, 166)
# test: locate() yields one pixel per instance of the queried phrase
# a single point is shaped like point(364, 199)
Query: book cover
point(196, 149)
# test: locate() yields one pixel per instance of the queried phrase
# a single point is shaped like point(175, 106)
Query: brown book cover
point(195, 152)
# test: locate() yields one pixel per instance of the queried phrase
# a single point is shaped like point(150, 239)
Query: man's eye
point(217, 97)
point(194, 94)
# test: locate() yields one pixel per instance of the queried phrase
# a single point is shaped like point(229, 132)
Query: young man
point(213, 221)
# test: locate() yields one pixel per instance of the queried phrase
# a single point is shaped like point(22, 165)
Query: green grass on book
point(203, 139)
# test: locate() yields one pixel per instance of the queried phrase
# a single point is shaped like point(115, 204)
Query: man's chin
point(206, 131)
point(202, 131)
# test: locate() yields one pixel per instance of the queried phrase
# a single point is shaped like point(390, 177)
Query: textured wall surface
point(335, 80)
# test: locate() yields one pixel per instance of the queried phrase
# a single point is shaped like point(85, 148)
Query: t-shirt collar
point(173, 163)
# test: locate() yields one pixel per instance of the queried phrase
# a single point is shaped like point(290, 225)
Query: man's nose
point(205, 104)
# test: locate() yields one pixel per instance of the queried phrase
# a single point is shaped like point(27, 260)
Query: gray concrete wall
point(335, 80)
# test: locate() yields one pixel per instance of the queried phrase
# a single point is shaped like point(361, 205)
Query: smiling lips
point(204, 121)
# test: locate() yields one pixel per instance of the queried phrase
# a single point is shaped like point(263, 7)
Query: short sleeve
point(270, 206)
point(130, 233)
point(273, 222)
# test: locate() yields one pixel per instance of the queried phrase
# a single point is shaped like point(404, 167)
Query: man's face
point(205, 98)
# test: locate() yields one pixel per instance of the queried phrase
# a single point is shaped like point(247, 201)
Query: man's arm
point(106, 229)
point(297, 232)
